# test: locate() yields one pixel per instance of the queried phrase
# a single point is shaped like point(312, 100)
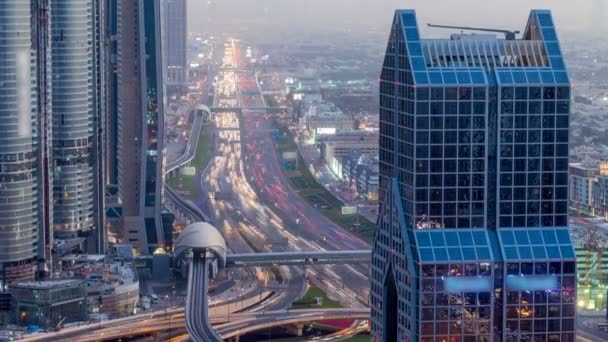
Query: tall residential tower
point(19, 197)
point(472, 240)
point(77, 113)
point(175, 27)
point(140, 122)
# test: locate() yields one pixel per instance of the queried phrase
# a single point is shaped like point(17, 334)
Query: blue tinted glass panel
point(441, 254)
point(449, 77)
point(553, 252)
point(557, 63)
point(409, 19)
point(567, 252)
point(426, 254)
point(483, 253)
point(553, 49)
point(505, 77)
point(421, 78)
point(435, 78)
point(507, 237)
point(411, 34)
point(468, 253)
point(535, 237)
point(525, 252)
point(414, 49)
point(437, 239)
point(424, 240)
point(511, 253)
point(563, 237)
point(547, 77)
point(521, 237)
point(549, 34)
point(418, 63)
point(455, 254)
point(549, 237)
point(533, 76)
point(477, 77)
point(544, 19)
point(463, 77)
point(465, 238)
point(480, 238)
point(519, 77)
point(561, 77)
point(496, 251)
point(451, 238)
point(539, 252)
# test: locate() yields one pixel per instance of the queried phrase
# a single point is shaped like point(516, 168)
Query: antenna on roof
point(509, 35)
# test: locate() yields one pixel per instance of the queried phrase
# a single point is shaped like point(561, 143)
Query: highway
point(226, 326)
point(249, 193)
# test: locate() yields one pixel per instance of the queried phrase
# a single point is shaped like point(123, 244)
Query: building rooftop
point(535, 58)
point(48, 284)
point(83, 258)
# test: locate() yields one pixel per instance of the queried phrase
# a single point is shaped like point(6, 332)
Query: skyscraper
point(472, 240)
point(140, 122)
point(77, 112)
point(19, 200)
point(175, 28)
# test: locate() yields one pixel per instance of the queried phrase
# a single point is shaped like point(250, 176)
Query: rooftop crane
point(509, 35)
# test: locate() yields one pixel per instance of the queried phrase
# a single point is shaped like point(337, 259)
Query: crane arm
point(510, 35)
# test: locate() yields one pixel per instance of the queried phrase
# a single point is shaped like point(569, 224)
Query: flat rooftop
point(48, 284)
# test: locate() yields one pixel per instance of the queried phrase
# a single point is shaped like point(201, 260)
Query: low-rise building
point(334, 148)
point(361, 174)
point(49, 303)
point(113, 289)
point(325, 118)
point(589, 187)
point(582, 177)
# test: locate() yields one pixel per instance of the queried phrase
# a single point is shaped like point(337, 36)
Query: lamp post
point(99, 315)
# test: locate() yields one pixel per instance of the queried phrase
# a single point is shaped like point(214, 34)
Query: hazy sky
point(364, 15)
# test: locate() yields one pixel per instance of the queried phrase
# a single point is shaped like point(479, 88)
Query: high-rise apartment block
point(472, 241)
point(76, 115)
point(175, 31)
point(140, 154)
point(50, 135)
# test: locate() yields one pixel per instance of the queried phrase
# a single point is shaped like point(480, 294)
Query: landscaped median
point(302, 181)
point(188, 183)
point(315, 298)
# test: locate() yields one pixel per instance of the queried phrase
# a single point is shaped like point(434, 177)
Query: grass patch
point(187, 183)
point(309, 301)
point(303, 182)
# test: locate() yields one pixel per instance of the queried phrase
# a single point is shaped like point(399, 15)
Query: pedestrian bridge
point(298, 258)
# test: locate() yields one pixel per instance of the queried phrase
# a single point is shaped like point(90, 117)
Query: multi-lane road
point(250, 199)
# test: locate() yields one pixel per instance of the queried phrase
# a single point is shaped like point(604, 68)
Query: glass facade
point(18, 142)
point(474, 143)
point(48, 303)
point(153, 127)
point(73, 117)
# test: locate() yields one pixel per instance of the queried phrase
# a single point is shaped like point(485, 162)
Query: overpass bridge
point(233, 330)
point(228, 327)
point(206, 245)
point(298, 258)
point(253, 109)
point(191, 145)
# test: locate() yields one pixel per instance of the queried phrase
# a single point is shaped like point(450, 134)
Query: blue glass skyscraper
point(472, 241)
